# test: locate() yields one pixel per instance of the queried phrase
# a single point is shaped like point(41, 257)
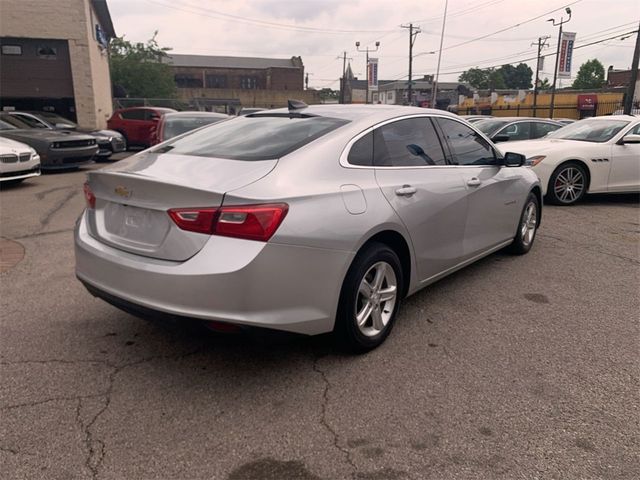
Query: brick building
point(53, 56)
point(253, 82)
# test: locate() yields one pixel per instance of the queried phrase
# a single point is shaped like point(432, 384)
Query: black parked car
point(57, 149)
point(109, 141)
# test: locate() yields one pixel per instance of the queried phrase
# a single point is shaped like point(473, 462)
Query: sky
point(480, 33)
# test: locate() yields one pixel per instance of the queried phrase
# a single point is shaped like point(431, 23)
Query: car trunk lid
point(132, 200)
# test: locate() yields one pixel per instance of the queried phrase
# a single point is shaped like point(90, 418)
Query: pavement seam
point(590, 248)
point(324, 422)
point(53, 210)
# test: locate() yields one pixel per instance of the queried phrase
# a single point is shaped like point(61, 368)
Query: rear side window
point(412, 142)
point(517, 131)
point(133, 114)
point(361, 152)
point(543, 128)
point(259, 137)
point(467, 146)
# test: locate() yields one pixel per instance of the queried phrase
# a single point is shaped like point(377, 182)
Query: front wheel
point(568, 184)
point(527, 227)
point(369, 299)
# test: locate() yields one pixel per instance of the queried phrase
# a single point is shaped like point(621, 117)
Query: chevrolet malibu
point(308, 219)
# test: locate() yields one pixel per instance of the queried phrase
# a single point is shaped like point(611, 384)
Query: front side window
point(259, 137)
point(411, 142)
point(517, 131)
point(467, 146)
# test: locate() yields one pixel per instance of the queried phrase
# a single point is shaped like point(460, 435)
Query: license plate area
point(141, 226)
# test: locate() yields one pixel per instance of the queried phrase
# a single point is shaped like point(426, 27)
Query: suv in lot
point(137, 124)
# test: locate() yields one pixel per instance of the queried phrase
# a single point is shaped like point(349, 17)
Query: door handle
point(474, 182)
point(406, 191)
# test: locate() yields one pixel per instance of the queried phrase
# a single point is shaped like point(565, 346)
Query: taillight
point(251, 222)
point(89, 196)
point(198, 220)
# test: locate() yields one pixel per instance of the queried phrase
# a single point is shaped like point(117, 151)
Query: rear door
point(624, 175)
point(426, 193)
point(495, 195)
point(133, 121)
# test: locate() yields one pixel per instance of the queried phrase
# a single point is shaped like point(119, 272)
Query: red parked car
point(137, 124)
point(174, 124)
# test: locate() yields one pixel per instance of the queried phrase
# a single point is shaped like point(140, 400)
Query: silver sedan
point(308, 219)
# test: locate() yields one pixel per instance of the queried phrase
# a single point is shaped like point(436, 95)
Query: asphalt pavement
point(514, 368)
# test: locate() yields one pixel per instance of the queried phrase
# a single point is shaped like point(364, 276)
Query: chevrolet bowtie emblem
point(123, 191)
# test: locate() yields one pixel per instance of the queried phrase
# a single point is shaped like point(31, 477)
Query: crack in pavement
point(39, 234)
point(44, 193)
point(95, 447)
point(47, 216)
point(589, 248)
point(325, 423)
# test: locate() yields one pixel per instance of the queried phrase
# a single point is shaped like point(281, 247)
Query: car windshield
point(590, 130)
point(12, 121)
point(256, 137)
point(54, 118)
point(31, 121)
point(177, 125)
point(489, 126)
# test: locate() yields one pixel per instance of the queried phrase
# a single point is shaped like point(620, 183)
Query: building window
point(47, 52)
point(216, 81)
point(187, 81)
point(248, 83)
point(11, 49)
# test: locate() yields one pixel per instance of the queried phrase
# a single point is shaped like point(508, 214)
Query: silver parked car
point(307, 220)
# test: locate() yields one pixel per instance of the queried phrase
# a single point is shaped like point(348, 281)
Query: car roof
point(161, 109)
point(195, 114)
point(358, 112)
point(614, 117)
point(528, 119)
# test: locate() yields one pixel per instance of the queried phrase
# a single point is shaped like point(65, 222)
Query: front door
point(624, 175)
point(426, 193)
point(495, 195)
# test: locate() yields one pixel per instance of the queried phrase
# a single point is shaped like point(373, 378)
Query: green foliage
point(138, 69)
point(328, 94)
point(544, 84)
point(590, 75)
point(507, 76)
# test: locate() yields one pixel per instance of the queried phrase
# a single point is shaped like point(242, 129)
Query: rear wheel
point(527, 227)
point(568, 184)
point(369, 299)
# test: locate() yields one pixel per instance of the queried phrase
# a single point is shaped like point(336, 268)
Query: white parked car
point(17, 161)
point(594, 155)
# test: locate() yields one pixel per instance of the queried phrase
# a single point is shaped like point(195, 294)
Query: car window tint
point(133, 114)
point(259, 137)
point(32, 122)
point(361, 152)
point(635, 130)
point(411, 142)
point(517, 131)
point(543, 128)
point(467, 146)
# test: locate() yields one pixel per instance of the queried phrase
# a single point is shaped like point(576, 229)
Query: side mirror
point(65, 126)
point(512, 159)
point(155, 118)
point(631, 138)
point(500, 138)
point(415, 150)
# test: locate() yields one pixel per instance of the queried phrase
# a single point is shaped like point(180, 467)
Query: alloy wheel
point(529, 223)
point(569, 185)
point(376, 299)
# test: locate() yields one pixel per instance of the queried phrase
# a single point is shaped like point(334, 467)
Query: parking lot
point(516, 367)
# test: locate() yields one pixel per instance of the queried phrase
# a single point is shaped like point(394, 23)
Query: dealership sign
point(566, 52)
point(373, 73)
point(587, 102)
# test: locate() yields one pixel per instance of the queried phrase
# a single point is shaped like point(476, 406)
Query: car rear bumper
point(243, 282)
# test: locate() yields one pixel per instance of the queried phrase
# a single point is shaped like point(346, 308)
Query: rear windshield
point(174, 126)
point(259, 137)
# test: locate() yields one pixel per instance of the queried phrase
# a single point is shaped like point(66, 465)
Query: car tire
point(126, 140)
point(369, 299)
point(527, 226)
point(568, 184)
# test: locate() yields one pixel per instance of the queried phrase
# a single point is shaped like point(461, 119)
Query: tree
point(590, 75)
point(328, 94)
point(544, 84)
point(137, 68)
point(507, 76)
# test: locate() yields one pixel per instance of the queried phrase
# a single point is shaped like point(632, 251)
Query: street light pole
point(555, 71)
point(434, 88)
point(367, 50)
point(412, 38)
point(628, 104)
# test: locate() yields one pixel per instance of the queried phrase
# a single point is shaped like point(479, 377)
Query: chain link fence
point(542, 111)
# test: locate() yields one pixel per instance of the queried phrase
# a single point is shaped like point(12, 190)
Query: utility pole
point(628, 104)
point(412, 38)
point(344, 59)
point(542, 42)
point(366, 98)
point(435, 83)
point(555, 71)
